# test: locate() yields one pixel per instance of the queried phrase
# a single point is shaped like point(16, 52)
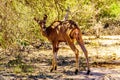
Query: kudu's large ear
point(45, 17)
point(35, 18)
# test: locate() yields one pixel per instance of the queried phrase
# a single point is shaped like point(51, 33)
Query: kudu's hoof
point(76, 71)
point(88, 72)
point(55, 67)
point(51, 70)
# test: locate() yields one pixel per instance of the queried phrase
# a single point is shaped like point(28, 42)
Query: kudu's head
point(42, 22)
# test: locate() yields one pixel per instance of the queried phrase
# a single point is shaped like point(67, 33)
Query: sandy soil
point(104, 56)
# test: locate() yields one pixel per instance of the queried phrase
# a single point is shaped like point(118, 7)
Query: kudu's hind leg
point(54, 61)
point(81, 43)
point(77, 56)
point(76, 51)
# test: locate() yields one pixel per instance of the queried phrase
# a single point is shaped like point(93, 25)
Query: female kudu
point(63, 31)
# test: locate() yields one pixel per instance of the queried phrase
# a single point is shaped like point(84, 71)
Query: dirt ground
point(104, 56)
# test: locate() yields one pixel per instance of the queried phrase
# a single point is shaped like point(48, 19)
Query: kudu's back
point(61, 29)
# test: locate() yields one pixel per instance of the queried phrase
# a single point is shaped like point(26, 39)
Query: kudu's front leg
point(54, 61)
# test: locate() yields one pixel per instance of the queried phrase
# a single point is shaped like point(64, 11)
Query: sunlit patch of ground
point(104, 56)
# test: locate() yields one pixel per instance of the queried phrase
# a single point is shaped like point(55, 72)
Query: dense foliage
point(18, 27)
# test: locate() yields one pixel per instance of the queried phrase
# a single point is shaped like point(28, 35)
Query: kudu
point(63, 31)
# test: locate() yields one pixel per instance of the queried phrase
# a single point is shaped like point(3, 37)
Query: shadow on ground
point(68, 75)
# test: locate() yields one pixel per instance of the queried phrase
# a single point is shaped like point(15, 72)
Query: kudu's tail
point(76, 34)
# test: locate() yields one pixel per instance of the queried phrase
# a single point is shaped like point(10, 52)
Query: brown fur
point(63, 31)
